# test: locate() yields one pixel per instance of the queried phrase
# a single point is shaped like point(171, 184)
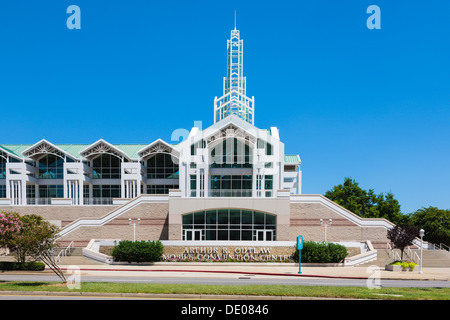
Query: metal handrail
point(412, 255)
point(64, 252)
point(392, 252)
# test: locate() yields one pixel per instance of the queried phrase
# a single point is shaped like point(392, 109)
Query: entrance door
point(191, 234)
point(264, 235)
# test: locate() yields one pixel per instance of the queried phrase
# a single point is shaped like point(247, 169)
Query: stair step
point(431, 258)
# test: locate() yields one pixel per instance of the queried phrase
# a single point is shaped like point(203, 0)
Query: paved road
point(235, 280)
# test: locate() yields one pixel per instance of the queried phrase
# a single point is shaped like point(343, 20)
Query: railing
point(97, 201)
point(230, 193)
point(441, 246)
point(391, 253)
point(64, 252)
point(37, 201)
point(412, 255)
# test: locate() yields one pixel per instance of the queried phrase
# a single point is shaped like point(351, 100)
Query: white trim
point(360, 222)
point(27, 151)
point(87, 153)
point(142, 155)
point(113, 214)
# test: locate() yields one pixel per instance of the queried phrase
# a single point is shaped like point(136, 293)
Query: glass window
point(231, 185)
point(51, 167)
point(235, 216)
point(2, 168)
point(231, 224)
point(199, 217)
point(162, 166)
point(106, 166)
point(161, 189)
point(211, 217)
point(231, 153)
point(247, 217)
point(223, 216)
point(51, 191)
point(2, 191)
point(261, 144)
point(268, 182)
point(104, 194)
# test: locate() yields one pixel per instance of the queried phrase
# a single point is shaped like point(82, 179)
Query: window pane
point(247, 217)
point(235, 235)
point(271, 219)
point(246, 235)
point(211, 234)
point(187, 219)
point(222, 234)
point(223, 216)
point(199, 217)
point(259, 218)
point(211, 217)
point(235, 216)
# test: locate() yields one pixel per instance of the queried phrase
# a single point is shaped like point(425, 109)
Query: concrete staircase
point(76, 258)
point(431, 258)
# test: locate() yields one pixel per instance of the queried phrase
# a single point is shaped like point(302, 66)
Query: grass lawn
point(254, 290)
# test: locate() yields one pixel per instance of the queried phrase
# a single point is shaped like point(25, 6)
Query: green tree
point(39, 241)
point(435, 222)
point(30, 237)
point(35, 232)
point(366, 203)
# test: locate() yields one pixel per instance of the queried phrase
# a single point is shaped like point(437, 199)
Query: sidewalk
point(224, 270)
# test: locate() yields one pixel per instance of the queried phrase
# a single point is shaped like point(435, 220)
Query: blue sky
point(373, 105)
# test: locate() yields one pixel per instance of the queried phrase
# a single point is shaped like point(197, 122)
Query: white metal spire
point(234, 99)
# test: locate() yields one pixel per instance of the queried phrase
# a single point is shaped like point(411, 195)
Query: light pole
point(421, 233)
point(134, 227)
point(326, 225)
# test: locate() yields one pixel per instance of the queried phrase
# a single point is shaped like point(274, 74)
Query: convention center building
point(231, 181)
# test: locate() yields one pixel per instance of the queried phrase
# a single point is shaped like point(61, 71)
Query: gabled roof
point(7, 150)
point(44, 147)
point(158, 146)
point(100, 147)
point(231, 126)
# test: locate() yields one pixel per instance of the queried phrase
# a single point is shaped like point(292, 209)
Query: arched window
point(106, 166)
point(229, 224)
point(162, 166)
point(51, 167)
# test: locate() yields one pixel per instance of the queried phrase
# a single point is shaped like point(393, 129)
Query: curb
point(220, 271)
point(174, 296)
point(257, 273)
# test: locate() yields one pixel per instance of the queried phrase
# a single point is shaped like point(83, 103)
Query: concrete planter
point(390, 267)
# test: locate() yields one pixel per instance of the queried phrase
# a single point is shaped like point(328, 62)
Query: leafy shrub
point(138, 251)
point(321, 252)
point(28, 266)
point(404, 264)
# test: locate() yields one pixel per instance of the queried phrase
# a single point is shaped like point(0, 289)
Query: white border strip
point(112, 215)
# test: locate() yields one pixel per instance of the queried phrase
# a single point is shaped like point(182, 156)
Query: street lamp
point(134, 227)
point(421, 233)
point(326, 225)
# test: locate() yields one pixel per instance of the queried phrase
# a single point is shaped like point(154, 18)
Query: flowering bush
point(10, 226)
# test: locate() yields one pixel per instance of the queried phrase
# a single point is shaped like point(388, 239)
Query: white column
point(81, 192)
point(68, 190)
point(77, 192)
